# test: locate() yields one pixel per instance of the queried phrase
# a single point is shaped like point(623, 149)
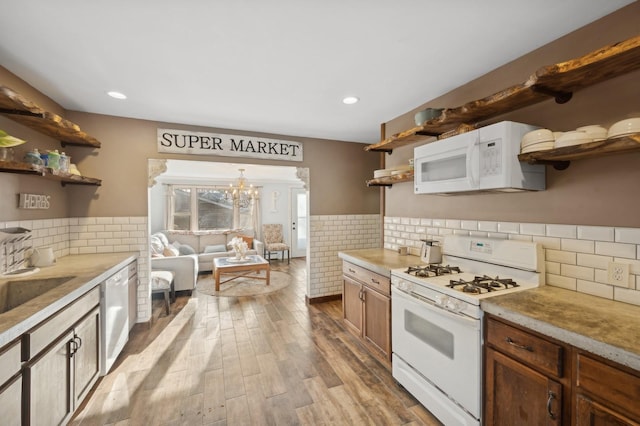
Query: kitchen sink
point(17, 292)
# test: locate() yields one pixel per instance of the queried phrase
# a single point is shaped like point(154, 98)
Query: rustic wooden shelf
point(19, 109)
point(390, 180)
point(557, 81)
point(560, 158)
point(47, 173)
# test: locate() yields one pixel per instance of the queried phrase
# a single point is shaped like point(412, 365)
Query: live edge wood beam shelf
point(19, 109)
point(47, 173)
point(557, 81)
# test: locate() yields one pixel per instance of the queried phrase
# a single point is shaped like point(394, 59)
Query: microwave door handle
point(473, 182)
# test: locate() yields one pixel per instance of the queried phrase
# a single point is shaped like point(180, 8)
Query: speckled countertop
point(87, 270)
point(604, 327)
point(379, 260)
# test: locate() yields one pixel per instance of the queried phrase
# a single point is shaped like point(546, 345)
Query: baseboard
point(322, 299)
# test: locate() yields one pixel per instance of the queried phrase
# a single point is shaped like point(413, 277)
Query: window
point(207, 207)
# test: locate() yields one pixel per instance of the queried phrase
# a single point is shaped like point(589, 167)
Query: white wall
point(276, 205)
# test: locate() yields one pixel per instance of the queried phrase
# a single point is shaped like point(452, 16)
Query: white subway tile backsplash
point(579, 246)
point(595, 289)
point(452, 223)
point(561, 281)
point(438, 223)
point(593, 260)
point(574, 271)
point(627, 235)
point(488, 226)
point(559, 256)
point(626, 295)
point(596, 233)
point(532, 229)
point(552, 267)
point(548, 242)
point(616, 249)
point(470, 225)
point(508, 227)
point(562, 231)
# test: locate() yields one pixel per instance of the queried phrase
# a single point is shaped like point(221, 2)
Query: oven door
point(442, 346)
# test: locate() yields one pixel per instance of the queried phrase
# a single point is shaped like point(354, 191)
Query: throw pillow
point(156, 245)
point(248, 240)
point(215, 249)
point(186, 249)
point(170, 251)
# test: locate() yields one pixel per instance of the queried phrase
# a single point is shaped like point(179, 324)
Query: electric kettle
point(430, 253)
point(42, 256)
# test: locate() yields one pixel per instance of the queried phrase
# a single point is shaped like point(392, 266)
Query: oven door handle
point(416, 298)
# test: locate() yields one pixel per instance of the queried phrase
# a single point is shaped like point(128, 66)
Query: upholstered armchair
point(274, 241)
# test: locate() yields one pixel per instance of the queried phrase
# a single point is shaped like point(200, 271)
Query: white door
point(299, 222)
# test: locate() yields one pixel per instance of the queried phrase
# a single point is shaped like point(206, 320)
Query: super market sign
point(200, 143)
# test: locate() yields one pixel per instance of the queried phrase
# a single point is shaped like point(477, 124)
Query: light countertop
point(604, 327)
point(379, 260)
point(87, 270)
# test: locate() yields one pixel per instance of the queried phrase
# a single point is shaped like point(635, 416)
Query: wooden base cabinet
point(531, 379)
point(526, 378)
point(366, 307)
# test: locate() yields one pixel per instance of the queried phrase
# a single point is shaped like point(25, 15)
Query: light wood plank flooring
point(266, 360)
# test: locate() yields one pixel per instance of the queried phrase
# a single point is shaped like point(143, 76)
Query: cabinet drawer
point(537, 352)
point(616, 387)
point(9, 361)
point(369, 278)
point(41, 336)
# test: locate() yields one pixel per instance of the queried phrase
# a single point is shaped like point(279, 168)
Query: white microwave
point(484, 159)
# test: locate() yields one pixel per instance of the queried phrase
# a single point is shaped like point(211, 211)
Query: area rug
point(244, 286)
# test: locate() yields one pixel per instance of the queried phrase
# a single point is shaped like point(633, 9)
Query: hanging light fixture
point(241, 193)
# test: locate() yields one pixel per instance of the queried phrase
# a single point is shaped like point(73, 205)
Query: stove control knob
point(454, 305)
point(441, 300)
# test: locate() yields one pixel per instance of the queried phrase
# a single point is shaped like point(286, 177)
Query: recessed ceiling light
point(117, 95)
point(350, 100)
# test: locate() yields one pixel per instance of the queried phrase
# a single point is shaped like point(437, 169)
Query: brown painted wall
point(338, 170)
point(597, 191)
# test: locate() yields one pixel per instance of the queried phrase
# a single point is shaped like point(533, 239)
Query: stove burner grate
point(483, 284)
point(432, 270)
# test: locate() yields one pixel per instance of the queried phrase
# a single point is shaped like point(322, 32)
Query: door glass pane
point(214, 210)
point(431, 334)
point(302, 220)
point(182, 208)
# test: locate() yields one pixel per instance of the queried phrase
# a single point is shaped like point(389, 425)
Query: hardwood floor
point(265, 360)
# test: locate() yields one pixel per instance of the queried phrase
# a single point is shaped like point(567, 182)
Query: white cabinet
point(63, 360)
point(10, 385)
point(133, 294)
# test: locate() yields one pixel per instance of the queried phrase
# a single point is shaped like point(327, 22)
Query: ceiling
point(277, 66)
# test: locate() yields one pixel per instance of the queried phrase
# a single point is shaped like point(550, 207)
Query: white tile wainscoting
point(577, 256)
point(331, 234)
point(96, 235)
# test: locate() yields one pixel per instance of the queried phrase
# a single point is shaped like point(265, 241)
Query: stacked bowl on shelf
point(545, 139)
point(400, 171)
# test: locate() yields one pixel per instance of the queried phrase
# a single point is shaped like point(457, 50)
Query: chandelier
point(241, 193)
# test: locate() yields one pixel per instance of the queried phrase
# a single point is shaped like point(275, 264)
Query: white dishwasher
point(114, 310)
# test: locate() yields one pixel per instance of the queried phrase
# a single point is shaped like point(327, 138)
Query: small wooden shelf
point(47, 173)
point(560, 158)
point(19, 109)
point(390, 180)
point(557, 81)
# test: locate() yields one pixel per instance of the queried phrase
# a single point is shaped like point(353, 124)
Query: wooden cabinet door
point(590, 413)
point(352, 303)
point(518, 395)
point(86, 355)
point(11, 402)
point(49, 385)
point(377, 320)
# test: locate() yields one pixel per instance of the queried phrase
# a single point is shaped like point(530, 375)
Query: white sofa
point(187, 253)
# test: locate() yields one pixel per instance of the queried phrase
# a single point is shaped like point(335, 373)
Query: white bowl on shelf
point(536, 136)
point(542, 146)
point(574, 137)
point(624, 127)
point(594, 131)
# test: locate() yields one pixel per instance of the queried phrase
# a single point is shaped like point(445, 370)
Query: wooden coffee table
point(231, 266)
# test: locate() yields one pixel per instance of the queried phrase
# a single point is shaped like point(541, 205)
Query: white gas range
point(437, 320)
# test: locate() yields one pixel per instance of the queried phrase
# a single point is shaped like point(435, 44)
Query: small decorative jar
point(54, 160)
point(33, 157)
